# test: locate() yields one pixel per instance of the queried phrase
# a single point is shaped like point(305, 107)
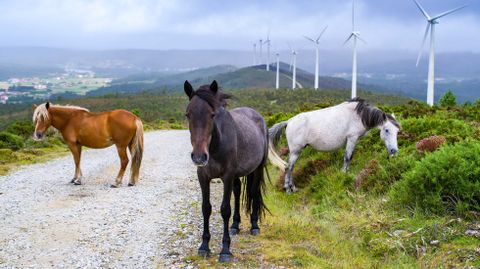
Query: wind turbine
point(254, 53)
point(293, 64)
point(316, 42)
point(431, 21)
point(268, 50)
point(261, 56)
point(277, 79)
point(355, 35)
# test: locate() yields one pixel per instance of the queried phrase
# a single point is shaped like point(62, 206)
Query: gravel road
point(47, 222)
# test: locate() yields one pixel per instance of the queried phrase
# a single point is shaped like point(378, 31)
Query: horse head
point(388, 133)
point(205, 103)
point(41, 119)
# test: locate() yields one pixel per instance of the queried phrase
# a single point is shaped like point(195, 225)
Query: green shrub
point(454, 130)
point(21, 128)
point(448, 99)
point(445, 181)
point(10, 141)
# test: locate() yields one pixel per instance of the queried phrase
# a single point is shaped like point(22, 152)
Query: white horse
point(330, 129)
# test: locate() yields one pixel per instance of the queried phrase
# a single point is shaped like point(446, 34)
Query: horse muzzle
point(392, 152)
point(200, 160)
point(37, 136)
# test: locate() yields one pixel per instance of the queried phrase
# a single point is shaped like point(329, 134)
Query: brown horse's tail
point(136, 151)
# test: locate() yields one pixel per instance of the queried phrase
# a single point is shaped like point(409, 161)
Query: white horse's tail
point(274, 134)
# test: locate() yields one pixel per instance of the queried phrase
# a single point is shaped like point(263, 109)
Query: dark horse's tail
point(255, 186)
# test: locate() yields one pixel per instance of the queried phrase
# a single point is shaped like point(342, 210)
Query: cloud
point(204, 24)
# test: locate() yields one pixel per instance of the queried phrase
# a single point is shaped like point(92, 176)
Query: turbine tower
point(254, 53)
point(355, 35)
point(261, 56)
point(277, 78)
point(316, 43)
point(293, 67)
point(431, 21)
point(268, 50)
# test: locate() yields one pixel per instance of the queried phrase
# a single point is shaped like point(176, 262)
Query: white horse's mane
point(42, 111)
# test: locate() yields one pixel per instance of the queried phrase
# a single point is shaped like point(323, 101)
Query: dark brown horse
point(227, 145)
point(79, 127)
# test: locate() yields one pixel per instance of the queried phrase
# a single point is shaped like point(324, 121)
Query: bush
point(10, 141)
point(445, 181)
point(452, 129)
point(21, 128)
point(448, 99)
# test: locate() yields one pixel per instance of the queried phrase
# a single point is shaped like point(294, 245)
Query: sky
point(233, 25)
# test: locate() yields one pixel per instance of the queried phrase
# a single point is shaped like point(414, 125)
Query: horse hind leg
point(289, 186)
point(122, 153)
point(235, 227)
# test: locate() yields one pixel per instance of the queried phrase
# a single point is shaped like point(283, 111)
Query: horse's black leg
point(237, 187)
point(204, 250)
point(350, 148)
point(256, 195)
point(225, 254)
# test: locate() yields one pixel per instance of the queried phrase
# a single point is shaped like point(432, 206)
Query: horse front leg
point(237, 188)
point(76, 150)
point(350, 148)
point(204, 250)
point(226, 210)
point(122, 153)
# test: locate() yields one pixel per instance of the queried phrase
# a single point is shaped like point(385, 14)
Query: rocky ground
point(47, 222)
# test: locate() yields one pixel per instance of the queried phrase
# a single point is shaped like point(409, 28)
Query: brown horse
point(79, 127)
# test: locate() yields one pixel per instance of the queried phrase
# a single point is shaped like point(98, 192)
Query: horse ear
point(214, 87)
point(187, 87)
point(34, 106)
point(47, 105)
point(393, 115)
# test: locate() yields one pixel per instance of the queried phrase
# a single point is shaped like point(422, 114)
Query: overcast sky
point(199, 24)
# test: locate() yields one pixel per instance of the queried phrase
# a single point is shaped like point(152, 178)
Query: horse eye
point(213, 115)
point(386, 131)
point(186, 115)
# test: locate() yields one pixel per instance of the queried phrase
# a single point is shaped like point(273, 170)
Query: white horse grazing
point(330, 129)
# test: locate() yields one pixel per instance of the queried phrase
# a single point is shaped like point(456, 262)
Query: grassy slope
point(328, 224)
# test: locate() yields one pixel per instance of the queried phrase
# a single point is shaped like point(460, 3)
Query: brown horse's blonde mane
point(42, 111)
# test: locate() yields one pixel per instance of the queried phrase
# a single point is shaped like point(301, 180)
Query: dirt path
point(47, 222)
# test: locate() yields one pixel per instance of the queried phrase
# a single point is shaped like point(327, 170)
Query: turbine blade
point(353, 15)
point(320, 35)
point(361, 39)
point(423, 43)
point(308, 38)
point(447, 12)
point(348, 39)
point(422, 10)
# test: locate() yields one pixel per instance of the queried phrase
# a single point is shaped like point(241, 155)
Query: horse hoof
point(131, 185)
point(77, 182)
point(203, 253)
point(255, 231)
point(113, 186)
point(73, 180)
point(234, 231)
point(225, 257)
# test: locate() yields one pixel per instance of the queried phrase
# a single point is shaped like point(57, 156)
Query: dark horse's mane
point(372, 116)
point(215, 100)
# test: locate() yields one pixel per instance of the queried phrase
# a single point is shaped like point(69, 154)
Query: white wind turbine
point(254, 53)
point(277, 78)
point(261, 56)
point(293, 67)
point(431, 21)
point(355, 35)
point(268, 50)
point(316, 42)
